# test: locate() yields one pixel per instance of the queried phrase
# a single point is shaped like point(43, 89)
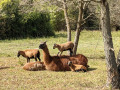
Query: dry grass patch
point(13, 77)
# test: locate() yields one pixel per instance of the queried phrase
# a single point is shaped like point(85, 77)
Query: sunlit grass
point(13, 77)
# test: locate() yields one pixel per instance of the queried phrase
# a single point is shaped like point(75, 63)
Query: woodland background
point(41, 18)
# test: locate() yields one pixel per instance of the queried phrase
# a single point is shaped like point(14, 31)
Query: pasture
point(13, 77)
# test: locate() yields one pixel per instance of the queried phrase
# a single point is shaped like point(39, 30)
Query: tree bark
point(78, 29)
point(113, 75)
point(118, 62)
point(67, 21)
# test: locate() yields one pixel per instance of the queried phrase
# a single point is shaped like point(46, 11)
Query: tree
point(118, 62)
point(67, 5)
point(78, 29)
point(15, 22)
point(62, 4)
point(115, 13)
point(113, 74)
point(67, 21)
point(81, 21)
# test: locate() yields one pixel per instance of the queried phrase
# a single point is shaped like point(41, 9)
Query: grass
point(13, 77)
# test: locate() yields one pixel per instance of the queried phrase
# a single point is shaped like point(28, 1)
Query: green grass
point(13, 77)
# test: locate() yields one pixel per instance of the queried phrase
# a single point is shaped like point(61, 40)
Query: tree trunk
point(113, 76)
point(78, 29)
point(118, 62)
point(67, 21)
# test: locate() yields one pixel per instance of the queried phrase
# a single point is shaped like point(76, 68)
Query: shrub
point(13, 24)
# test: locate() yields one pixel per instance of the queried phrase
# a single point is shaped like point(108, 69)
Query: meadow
point(13, 77)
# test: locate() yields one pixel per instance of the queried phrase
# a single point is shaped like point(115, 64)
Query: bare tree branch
point(88, 17)
point(97, 1)
point(85, 5)
point(83, 23)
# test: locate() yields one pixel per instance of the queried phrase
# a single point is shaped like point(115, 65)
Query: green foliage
point(73, 15)
point(92, 23)
point(10, 8)
point(37, 24)
point(60, 24)
point(3, 1)
point(13, 24)
point(58, 21)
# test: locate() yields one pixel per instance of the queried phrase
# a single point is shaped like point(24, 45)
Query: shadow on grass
point(91, 69)
point(4, 67)
point(60, 35)
point(94, 57)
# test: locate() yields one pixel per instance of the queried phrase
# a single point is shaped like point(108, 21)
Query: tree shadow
point(4, 67)
point(60, 35)
point(91, 69)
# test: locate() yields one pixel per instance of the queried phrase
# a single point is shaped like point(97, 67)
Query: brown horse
point(60, 63)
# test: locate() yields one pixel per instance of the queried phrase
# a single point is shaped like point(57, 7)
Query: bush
point(58, 21)
point(37, 24)
point(13, 24)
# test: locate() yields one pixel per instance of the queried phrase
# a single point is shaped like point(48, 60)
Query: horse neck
point(59, 47)
point(46, 55)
